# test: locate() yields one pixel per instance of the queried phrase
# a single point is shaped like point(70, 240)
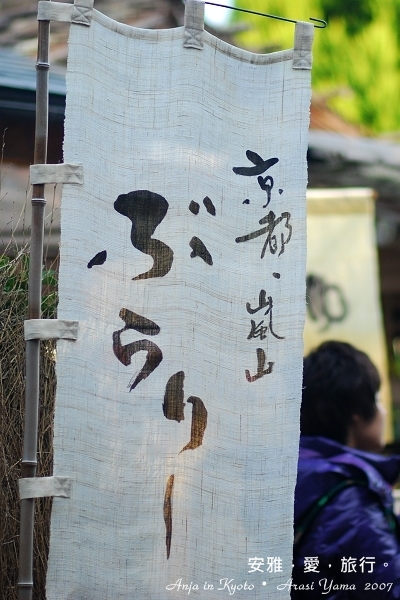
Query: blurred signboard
point(343, 296)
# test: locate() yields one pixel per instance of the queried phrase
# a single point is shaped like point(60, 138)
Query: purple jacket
point(352, 525)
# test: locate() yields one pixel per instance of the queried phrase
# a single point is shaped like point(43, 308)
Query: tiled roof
point(18, 72)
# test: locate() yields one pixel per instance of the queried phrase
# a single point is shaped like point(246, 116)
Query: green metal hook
point(251, 12)
point(324, 23)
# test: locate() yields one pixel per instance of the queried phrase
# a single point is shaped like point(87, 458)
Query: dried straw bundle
point(13, 310)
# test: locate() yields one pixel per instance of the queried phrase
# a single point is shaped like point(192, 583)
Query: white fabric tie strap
point(54, 11)
point(194, 24)
point(44, 487)
point(303, 39)
point(50, 329)
point(61, 173)
point(80, 12)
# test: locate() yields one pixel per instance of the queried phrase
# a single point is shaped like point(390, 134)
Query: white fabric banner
point(183, 259)
point(343, 295)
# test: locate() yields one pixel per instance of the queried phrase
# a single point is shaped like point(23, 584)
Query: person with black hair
point(346, 536)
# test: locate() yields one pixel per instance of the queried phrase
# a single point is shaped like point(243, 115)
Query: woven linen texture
point(183, 259)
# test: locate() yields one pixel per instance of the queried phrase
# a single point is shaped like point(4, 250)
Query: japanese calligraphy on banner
point(183, 258)
point(343, 298)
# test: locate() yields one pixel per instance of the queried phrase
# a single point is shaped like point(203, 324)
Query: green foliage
point(15, 282)
point(14, 272)
point(355, 14)
point(356, 58)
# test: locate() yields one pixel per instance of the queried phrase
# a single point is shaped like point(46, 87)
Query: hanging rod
point(251, 12)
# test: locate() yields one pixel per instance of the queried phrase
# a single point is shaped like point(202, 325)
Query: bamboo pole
point(29, 458)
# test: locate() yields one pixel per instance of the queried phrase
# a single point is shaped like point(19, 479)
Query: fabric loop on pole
point(50, 329)
point(80, 12)
point(303, 39)
point(44, 487)
point(194, 24)
point(54, 11)
point(62, 173)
